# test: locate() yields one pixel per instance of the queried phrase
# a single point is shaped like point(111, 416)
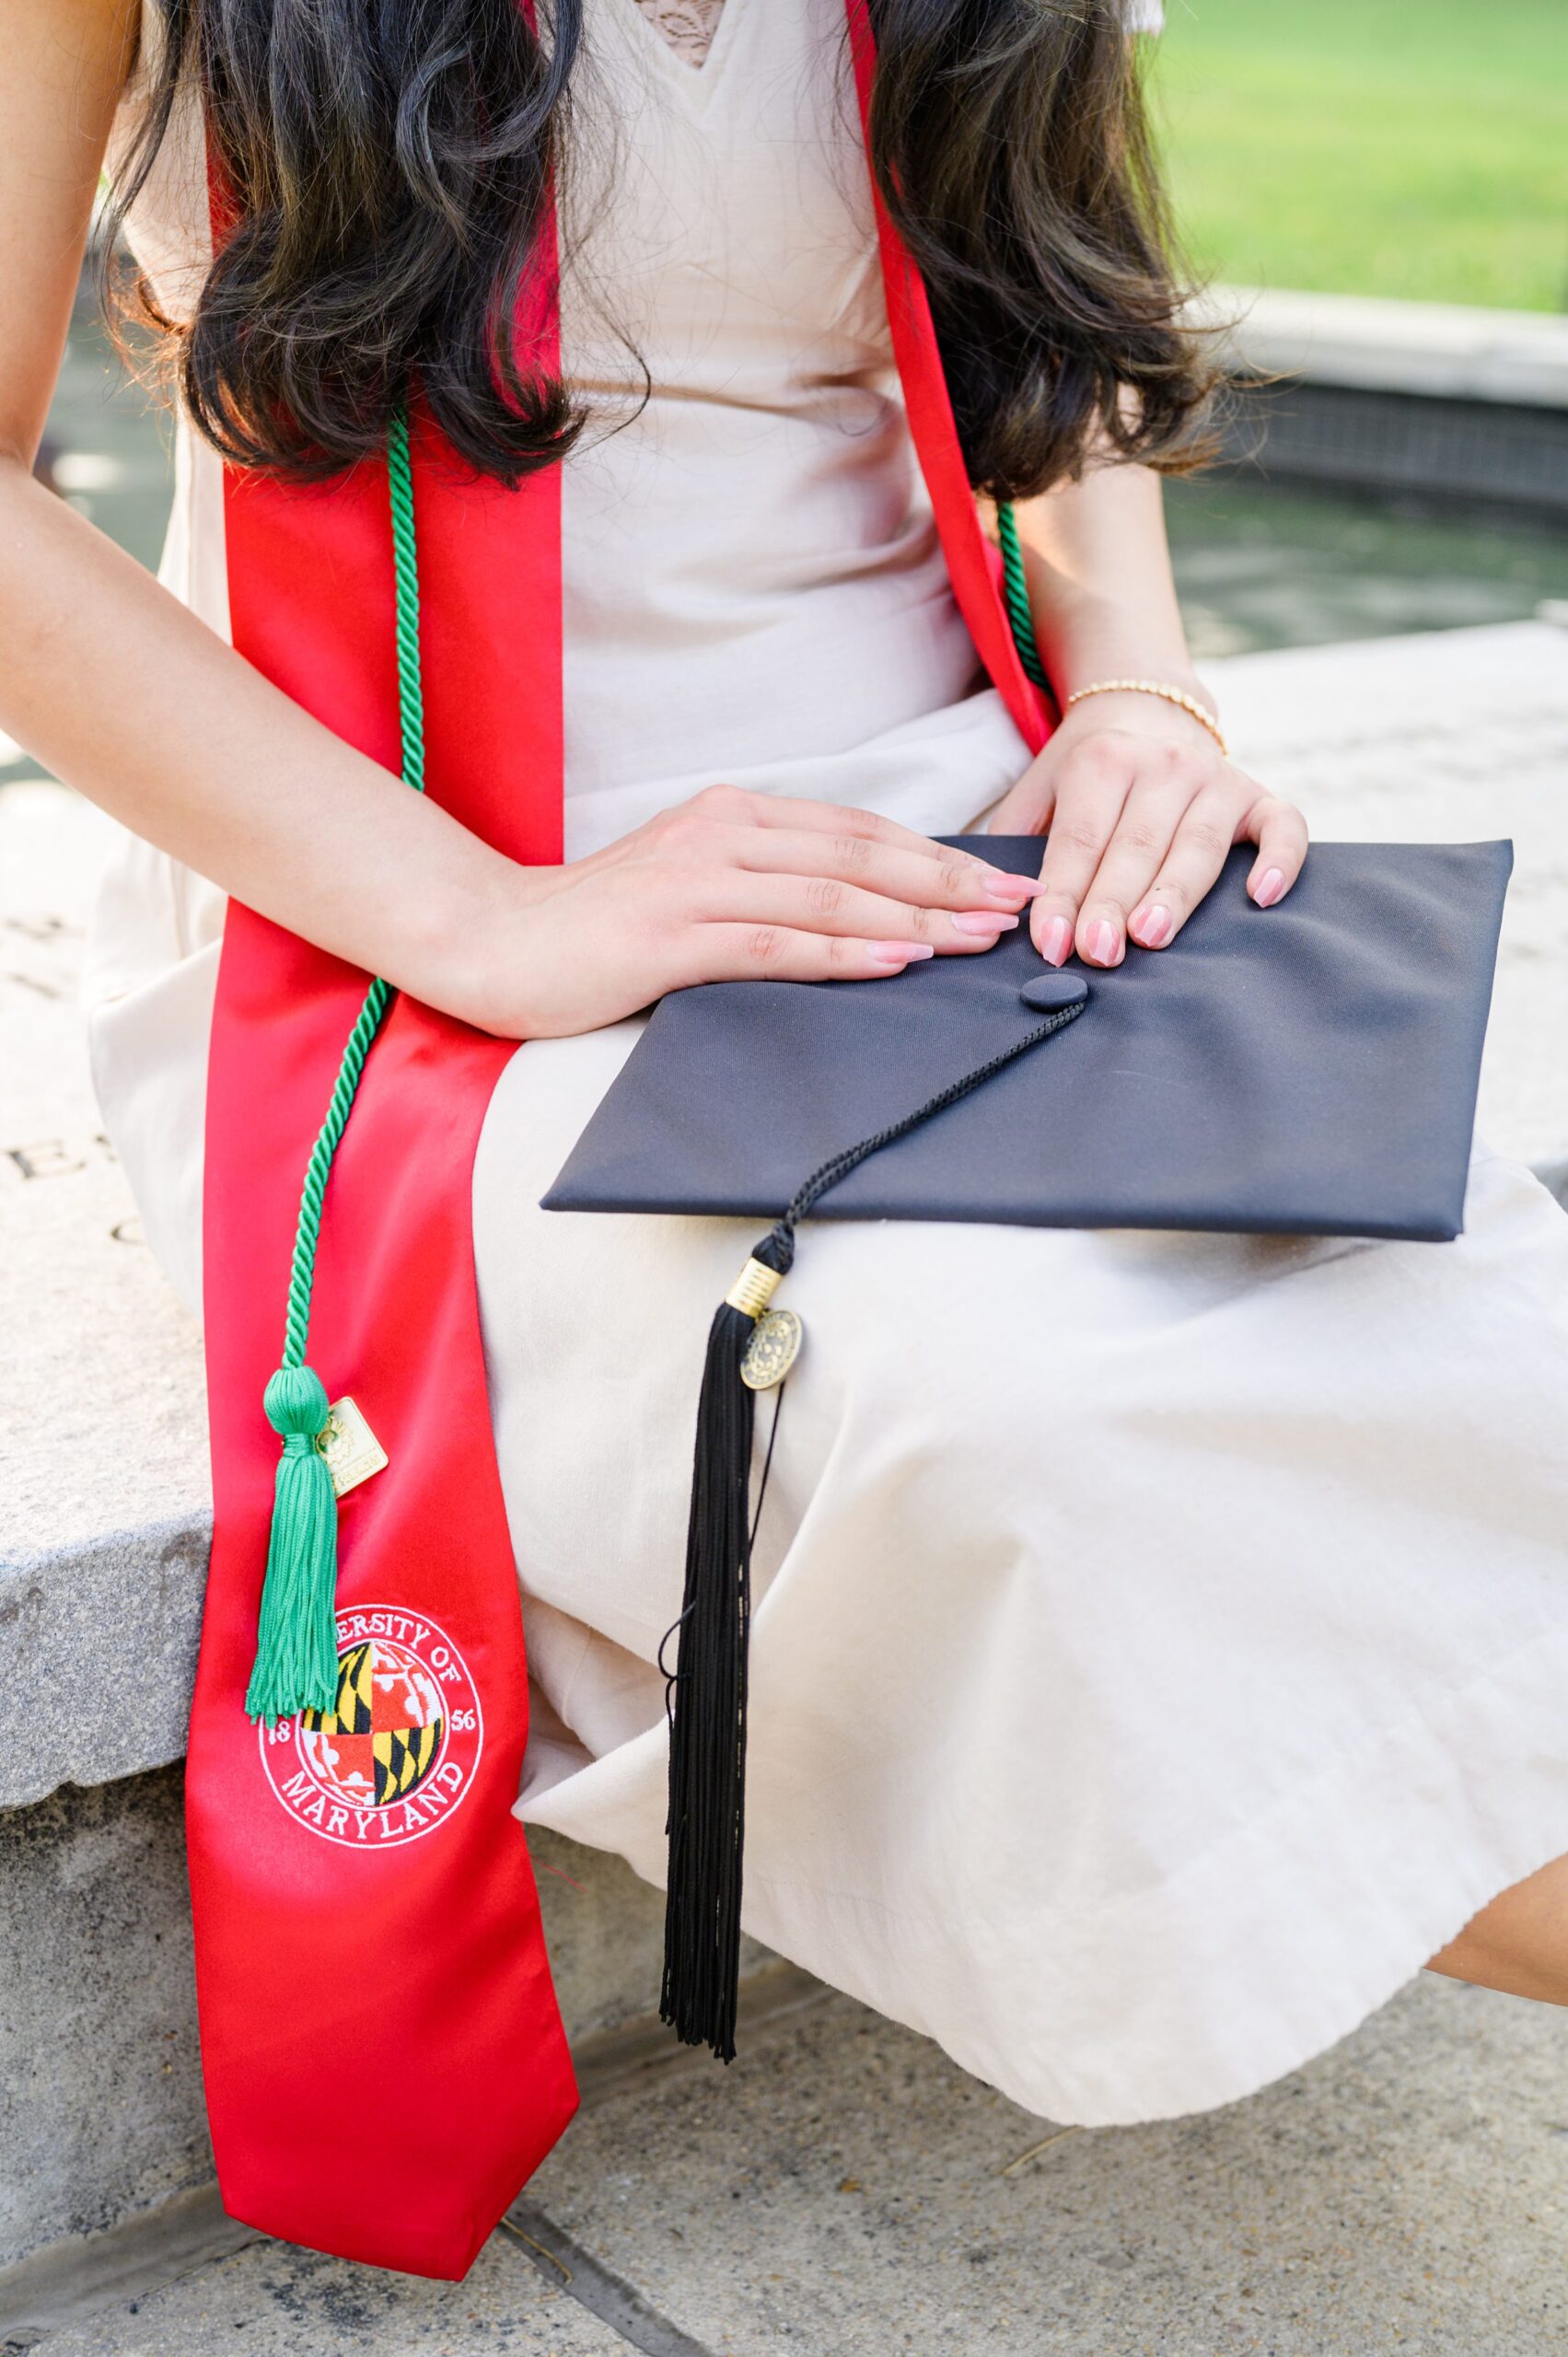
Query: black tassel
point(707, 1690)
point(707, 1732)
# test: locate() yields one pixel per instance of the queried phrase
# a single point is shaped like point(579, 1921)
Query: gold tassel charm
point(753, 1288)
point(773, 1349)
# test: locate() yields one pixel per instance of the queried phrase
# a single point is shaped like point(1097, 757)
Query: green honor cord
point(1015, 594)
point(297, 1643)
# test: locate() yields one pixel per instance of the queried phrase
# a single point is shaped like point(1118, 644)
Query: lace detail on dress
point(688, 25)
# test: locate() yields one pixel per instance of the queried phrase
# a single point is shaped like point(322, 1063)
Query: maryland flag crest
point(396, 1754)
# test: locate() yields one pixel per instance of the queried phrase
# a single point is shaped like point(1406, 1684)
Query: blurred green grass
point(1406, 147)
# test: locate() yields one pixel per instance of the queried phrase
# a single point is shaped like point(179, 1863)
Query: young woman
point(1163, 1638)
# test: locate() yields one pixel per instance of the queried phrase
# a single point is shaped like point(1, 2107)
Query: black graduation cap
point(1307, 1069)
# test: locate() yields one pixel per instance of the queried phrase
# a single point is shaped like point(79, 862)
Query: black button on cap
point(1048, 992)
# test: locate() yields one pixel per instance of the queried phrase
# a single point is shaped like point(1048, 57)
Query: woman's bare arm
point(1100, 585)
point(1140, 806)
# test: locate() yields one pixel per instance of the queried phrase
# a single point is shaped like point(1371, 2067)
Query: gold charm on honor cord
point(351, 1448)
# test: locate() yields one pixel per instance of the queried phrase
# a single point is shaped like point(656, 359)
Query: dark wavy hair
point(388, 165)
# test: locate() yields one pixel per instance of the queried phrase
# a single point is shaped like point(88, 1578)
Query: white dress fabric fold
point(1161, 1640)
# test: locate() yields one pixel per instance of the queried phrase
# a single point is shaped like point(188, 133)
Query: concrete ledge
point(1451, 406)
point(106, 1629)
point(100, 2088)
point(1448, 350)
point(104, 1504)
point(1496, 461)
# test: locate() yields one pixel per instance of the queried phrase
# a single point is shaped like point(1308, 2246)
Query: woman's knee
point(1519, 1942)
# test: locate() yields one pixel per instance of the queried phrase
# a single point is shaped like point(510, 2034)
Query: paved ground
point(843, 2191)
point(270, 2299)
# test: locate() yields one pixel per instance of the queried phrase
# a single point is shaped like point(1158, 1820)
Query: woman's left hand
point(1142, 810)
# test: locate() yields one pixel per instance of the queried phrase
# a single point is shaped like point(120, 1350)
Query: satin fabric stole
point(384, 2057)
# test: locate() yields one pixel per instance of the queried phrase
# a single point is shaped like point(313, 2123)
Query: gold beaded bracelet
point(1200, 712)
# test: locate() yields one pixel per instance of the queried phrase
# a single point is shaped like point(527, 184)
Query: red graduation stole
point(384, 2060)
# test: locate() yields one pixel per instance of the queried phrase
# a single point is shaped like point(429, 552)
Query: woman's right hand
point(729, 886)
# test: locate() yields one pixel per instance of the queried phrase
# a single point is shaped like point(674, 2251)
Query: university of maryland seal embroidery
point(397, 1754)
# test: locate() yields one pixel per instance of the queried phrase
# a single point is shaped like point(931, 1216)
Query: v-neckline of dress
point(696, 81)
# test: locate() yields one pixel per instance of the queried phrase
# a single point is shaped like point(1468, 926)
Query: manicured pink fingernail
point(1102, 944)
point(984, 920)
point(1150, 927)
point(1058, 941)
point(899, 953)
point(1013, 889)
point(1269, 889)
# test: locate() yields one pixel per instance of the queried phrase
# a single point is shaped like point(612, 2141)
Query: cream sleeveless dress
point(1161, 1641)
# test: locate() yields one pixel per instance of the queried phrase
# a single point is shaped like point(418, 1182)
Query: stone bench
point(104, 1514)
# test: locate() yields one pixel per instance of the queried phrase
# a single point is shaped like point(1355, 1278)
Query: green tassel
point(297, 1643)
